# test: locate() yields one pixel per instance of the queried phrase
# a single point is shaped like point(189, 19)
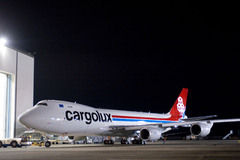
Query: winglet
point(179, 107)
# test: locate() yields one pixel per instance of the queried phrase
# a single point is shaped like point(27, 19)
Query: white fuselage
point(66, 118)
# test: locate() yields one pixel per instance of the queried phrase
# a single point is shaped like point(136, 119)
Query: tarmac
point(172, 149)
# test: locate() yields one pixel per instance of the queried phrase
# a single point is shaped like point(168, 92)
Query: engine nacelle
point(71, 137)
point(77, 138)
point(201, 129)
point(151, 134)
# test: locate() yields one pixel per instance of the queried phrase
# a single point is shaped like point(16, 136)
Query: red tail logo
point(179, 107)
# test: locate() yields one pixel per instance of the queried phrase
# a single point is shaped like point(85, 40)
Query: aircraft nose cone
point(25, 119)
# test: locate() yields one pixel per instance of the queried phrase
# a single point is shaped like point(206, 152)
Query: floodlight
point(3, 41)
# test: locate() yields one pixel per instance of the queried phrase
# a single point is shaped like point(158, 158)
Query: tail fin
point(179, 107)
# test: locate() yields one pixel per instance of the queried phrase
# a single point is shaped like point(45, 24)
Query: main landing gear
point(108, 141)
point(135, 141)
point(124, 141)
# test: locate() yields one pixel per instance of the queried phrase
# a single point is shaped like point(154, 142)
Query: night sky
point(131, 55)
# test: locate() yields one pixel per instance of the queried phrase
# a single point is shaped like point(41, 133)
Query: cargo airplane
point(77, 120)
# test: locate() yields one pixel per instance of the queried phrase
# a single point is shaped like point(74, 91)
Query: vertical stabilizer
point(179, 107)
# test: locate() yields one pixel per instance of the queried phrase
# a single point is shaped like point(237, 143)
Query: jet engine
point(201, 129)
point(151, 134)
point(77, 138)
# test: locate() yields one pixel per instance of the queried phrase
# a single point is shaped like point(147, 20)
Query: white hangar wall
point(25, 87)
point(16, 89)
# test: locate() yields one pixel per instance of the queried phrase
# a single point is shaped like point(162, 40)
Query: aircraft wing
point(130, 130)
point(198, 118)
point(202, 121)
point(132, 127)
point(171, 124)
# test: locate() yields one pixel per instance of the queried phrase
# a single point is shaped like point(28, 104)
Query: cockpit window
point(42, 104)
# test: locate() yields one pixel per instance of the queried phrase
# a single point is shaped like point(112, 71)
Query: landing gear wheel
point(105, 142)
point(134, 141)
point(47, 144)
point(14, 144)
point(137, 141)
point(108, 142)
point(123, 141)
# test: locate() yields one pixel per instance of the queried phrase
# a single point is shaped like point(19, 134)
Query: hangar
point(16, 89)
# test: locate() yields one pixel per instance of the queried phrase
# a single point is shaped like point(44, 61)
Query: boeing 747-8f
point(72, 119)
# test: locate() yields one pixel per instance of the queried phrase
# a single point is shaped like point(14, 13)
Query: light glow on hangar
point(16, 89)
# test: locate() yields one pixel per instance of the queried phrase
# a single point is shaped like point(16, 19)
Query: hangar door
point(6, 109)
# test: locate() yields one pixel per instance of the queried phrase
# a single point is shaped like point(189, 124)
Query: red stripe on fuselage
point(172, 118)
